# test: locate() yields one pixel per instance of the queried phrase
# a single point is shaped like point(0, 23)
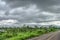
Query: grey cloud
point(17, 3)
point(32, 16)
point(42, 4)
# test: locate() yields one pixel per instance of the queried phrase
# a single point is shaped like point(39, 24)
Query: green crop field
point(25, 32)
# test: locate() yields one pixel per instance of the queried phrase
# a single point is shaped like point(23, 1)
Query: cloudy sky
point(30, 11)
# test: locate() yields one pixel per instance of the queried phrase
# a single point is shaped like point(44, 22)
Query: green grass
point(24, 32)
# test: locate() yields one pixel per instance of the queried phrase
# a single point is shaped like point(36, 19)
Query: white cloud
point(2, 12)
point(51, 23)
point(48, 13)
point(45, 23)
point(32, 13)
point(2, 3)
point(3, 8)
point(8, 22)
point(27, 10)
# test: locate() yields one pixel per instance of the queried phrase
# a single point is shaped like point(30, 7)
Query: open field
point(24, 32)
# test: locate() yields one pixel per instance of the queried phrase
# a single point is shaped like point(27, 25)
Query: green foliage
point(24, 32)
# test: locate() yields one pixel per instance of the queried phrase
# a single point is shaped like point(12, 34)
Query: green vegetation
point(24, 32)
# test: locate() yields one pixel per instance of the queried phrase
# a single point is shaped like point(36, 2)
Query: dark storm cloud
point(45, 5)
point(17, 3)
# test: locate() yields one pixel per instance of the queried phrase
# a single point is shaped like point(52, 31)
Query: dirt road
point(49, 36)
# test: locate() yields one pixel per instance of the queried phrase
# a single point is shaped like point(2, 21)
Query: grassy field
point(24, 32)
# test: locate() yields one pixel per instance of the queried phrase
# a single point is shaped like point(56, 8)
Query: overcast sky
point(29, 11)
